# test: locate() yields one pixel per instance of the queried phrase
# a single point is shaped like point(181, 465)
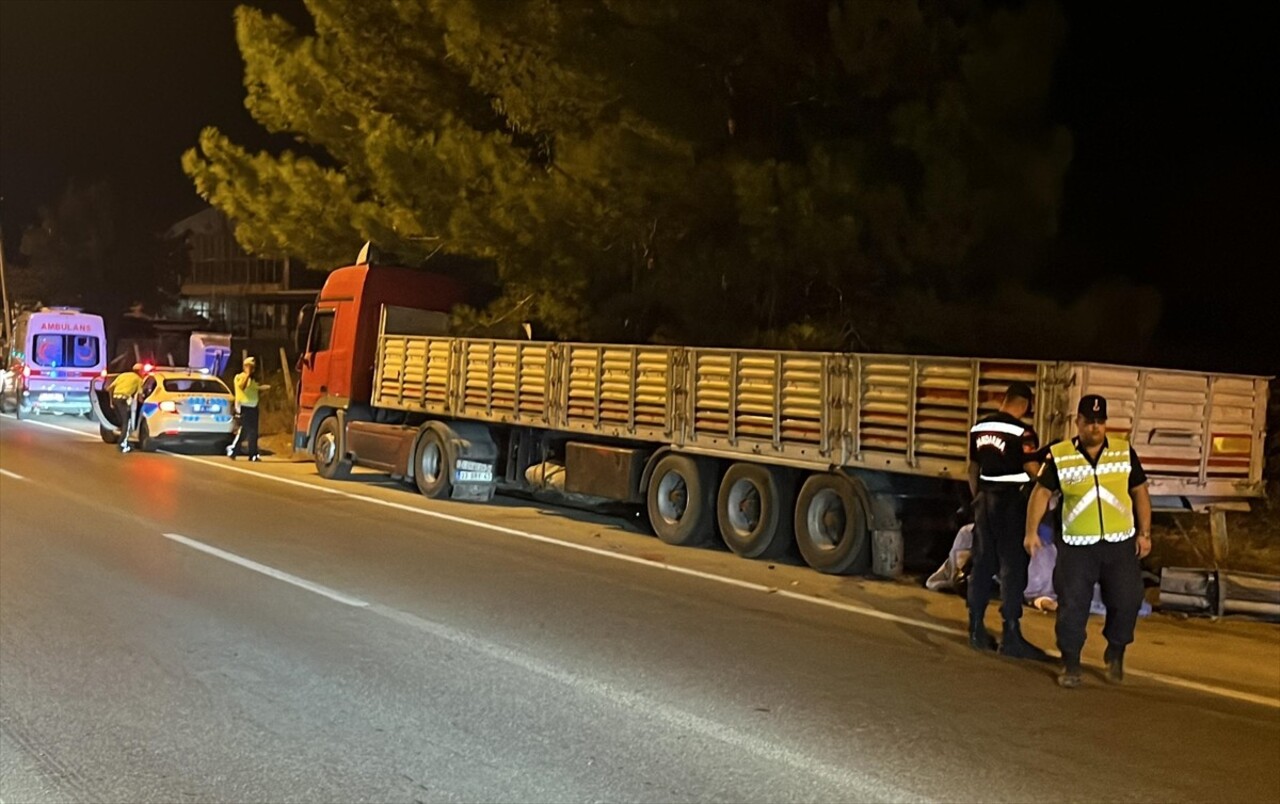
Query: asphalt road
point(188, 629)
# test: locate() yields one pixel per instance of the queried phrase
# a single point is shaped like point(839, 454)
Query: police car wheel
point(145, 441)
point(109, 435)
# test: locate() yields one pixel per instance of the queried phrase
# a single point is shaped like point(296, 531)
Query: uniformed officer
point(1105, 505)
point(124, 395)
point(247, 390)
point(1003, 458)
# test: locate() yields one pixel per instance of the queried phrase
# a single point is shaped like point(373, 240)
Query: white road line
point(271, 571)
point(1225, 692)
point(537, 537)
point(657, 710)
point(15, 476)
point(1186, 683)
point(851, 608)
point(58, 427)
point(861, 786)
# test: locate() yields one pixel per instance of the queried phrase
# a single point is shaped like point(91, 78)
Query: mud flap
point(474, 461)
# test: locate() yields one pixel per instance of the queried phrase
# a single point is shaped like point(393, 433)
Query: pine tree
point(722, 171)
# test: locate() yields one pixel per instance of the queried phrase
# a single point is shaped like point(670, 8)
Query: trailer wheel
point(831, 526)
point(433, 466)
point(754, 510)
point(108, 435)
point(329, 463)
point(682, 501)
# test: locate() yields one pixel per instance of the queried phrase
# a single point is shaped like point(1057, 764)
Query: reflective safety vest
point(1095, 500)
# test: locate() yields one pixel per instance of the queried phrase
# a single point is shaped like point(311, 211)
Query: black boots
point(1015, 646)
point(1114, 657)
point(979, 638)
point(1070, 675)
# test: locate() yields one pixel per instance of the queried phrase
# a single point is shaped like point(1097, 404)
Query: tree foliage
point(811, 173)
point(85, 250)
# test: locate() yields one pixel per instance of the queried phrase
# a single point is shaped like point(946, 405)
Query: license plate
point(46, 397)
point(206, 408)
point(473, 472)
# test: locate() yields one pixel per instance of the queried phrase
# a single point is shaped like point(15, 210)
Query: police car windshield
point(194, 385)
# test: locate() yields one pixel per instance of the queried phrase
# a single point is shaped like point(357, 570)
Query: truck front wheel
point(433, 466)
point(331, 464)
point(682, 501)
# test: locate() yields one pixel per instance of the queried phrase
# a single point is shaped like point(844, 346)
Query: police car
point(176, 406)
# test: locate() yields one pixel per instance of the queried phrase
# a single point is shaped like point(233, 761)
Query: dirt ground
point(1253, 538)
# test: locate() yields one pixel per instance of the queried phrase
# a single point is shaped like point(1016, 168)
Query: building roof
point(208, 221)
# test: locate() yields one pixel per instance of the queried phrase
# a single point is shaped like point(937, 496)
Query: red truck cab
point(338, 356)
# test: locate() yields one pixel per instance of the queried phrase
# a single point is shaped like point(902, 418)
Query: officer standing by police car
point(1106, 532)
point(1003, 458)
point(124, 391)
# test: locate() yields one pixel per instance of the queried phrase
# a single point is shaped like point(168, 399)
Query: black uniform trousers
point(1115, 566)
point(247, 436)
point(999, 522)
point(125, 413)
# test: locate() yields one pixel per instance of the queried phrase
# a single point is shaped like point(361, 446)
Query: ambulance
point(56, 352)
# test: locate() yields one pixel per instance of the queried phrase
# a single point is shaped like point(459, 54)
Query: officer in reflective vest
point(1003, 458)
point(1106, 531)
point(124, 391)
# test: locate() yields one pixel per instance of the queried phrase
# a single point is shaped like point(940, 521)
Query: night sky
point(1174, 182)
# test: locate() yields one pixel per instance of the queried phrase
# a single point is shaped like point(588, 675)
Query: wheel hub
point(827, 520)
point(429, 463)
point(673, 497)
point(327, 448)
point(744, 507)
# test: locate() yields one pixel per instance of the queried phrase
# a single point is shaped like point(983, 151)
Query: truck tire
point(681, 500)
point(108, 435)
point(754, 510)
point(433, 466)
point(831, 526)
point(145, 442)
point(329, 463)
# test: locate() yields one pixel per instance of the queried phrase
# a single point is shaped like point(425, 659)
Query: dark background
point(1173, 181)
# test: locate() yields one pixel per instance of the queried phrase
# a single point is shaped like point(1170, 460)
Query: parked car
point(176, 406)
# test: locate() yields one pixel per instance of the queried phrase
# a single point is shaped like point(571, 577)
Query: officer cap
point(1093, 406)
point(249, 361)
point(1019, 390)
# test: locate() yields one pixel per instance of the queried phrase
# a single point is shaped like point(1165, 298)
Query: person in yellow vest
point(1105, 533)
point(124, 391)
point(246, 389)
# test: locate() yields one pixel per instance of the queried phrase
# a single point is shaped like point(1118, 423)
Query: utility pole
point(4, 297)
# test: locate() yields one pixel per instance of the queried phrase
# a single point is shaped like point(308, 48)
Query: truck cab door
point(316, 366)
